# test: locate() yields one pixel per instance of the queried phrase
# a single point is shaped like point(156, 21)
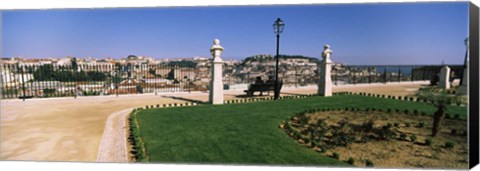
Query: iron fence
point(51, 80)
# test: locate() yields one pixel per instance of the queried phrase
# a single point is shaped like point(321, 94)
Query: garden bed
point(382, 139)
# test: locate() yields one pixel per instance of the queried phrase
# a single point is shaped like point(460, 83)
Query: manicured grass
point(246, 133)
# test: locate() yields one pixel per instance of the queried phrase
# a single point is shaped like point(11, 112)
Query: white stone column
point(444, 78)
point(216, 83)
point(325, 81)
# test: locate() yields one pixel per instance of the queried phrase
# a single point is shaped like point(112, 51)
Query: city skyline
point(385, 33)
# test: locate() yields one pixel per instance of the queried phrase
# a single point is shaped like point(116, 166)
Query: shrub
point(396, 124)
point(297, 135)
point(413, 138)
point(335, 155)
point(449, 144)
point(448, 116)
point(403, 136)
point(389, 110)
point(406, 111)
point(367, 126)
point(323, 149)
point(415, 111)
point(364, 139)
point(428, 141)
point(306, 140)
point(373, 109)
point(456, 116)
point(368, 163)
point(397, 110)
point(389, 125)
point(350, 161)
point(386, 133)
point(423, 113)
point(346, 108)
point(407, 124)
point(421, 124)
point(454, 131)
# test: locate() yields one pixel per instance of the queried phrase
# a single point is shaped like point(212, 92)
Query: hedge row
point(138, 151)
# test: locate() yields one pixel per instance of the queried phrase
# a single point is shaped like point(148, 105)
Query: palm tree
point(440, 99)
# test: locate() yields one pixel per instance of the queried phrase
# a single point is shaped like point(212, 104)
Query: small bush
point(421, 124)
point(389, 110)
point(449, 144)
point(323, 149)
point(454, 131)
point(406, 111)
point(407, 124)
point(368, 163)
point(389, 125)
point(448, 116)
point(428, 141)
point(350, 161)
point(415, 111)
point(397, 110)
point(403, 136)
point(335, 155)
point(306, 140)
point(456, 116)
point(413, 138)
point(423, 113)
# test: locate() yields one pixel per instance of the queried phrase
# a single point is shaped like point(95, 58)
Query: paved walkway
point(113, 146)
point(68, 129)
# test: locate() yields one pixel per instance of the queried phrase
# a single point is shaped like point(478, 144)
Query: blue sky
point(395, 33)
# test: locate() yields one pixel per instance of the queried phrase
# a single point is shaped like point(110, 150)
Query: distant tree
point(74, 64)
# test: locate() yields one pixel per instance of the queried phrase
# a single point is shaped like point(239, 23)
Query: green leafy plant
point(335, 155)
point(449, 144)
point(421, 124)
point(350, 161)
point(407, 124)
point(403, 136)
point(428, 142)
point(456, 116)
point(368, 163)
point(413, 138)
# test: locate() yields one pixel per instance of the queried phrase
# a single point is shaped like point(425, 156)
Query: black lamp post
point(277, 28)
point(465, 60)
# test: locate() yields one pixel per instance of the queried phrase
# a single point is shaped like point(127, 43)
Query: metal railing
point(50, 80)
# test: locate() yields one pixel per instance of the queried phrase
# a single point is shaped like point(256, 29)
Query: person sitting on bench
point(259, 81)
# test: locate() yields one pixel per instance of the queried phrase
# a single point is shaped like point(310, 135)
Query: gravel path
point(113, 146)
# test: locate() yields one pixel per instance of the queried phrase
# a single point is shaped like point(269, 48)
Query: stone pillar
point(216, 83)
point(325, 81)
point(444, 78)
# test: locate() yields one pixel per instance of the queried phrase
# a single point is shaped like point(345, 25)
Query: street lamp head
point(278, 26)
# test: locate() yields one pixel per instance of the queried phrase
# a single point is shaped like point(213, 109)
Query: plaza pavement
point(68, 129)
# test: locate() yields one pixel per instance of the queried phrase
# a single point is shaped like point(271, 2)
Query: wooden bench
point(252, 88)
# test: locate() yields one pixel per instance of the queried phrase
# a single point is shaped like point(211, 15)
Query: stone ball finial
point(326, 52)
point(216, 42)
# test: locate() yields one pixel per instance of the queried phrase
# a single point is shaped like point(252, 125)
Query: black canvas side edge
point(473, 77)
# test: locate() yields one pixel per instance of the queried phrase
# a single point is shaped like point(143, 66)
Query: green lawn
point(246, 133)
